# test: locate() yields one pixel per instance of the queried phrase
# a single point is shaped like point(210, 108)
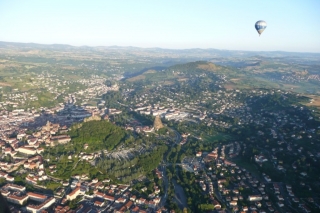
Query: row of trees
point(129, 169)
point(67, 168)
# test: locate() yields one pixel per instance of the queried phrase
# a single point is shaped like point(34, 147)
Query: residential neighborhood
point(117, 135)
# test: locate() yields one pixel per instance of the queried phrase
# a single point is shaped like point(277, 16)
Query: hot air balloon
point(260, 26)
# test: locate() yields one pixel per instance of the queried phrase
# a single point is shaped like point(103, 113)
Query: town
point(171, 140)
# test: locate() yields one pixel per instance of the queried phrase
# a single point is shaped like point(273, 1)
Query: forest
point(99, 135)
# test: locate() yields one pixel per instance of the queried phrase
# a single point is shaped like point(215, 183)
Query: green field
point(217, 138)
point(250, 167)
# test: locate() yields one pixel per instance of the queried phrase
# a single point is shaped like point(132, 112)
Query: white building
point(38, 208)
point(254, 198)
point(27, 150)
point(20, 200)
point(36, 197)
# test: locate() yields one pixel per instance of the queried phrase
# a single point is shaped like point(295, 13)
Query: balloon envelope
point(260, 26)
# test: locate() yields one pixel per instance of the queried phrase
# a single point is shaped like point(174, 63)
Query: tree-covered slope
point(98, 135)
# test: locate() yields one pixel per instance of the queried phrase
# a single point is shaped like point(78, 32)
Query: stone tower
point(157, 123)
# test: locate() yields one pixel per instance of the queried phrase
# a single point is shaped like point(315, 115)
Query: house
point(59, 139)
point(198, 154)
point(4, 192)
point(260, 158)
point(216, 204)
point(280, 197)
point(15, 198)
point(99, 194)
point(27, 150)
point(14, 187)
point(73, 195)
point(296, 200)
point(156, 200)
point(156, 190)
point(233, 203)
point(120, 200)
point(141, 201)
point(3, 175)
point(31, 180)
point(10, 179)
point(254, 197)
point(135, 209)
point(253, 208)
point(305, 208)
point(41, 207)
point(158, 173)
point(229, 163)
point(222, 181)
point(128, 204)
point(133, 198)
point(36, 196)
point(7, 151)
point(98, 203)
point(303, 174)
point(271, 209)
point(213, 155)
point(108, 197)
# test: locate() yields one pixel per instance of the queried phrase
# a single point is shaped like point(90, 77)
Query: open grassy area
point(51, 185)
point(217, 138)
point(315, 101)
point(250, 167)
point(137, 78)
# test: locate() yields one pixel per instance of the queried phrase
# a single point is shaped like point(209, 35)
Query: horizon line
point(211, 48)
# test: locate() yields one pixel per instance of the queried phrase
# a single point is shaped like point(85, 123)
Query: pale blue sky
point(293, 25)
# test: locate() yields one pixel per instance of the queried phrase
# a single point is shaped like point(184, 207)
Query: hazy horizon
point(163, 48)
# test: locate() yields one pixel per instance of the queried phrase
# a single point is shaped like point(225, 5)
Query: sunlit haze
point(292, 25)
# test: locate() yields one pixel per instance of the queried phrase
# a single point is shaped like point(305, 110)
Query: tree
point(2, 181)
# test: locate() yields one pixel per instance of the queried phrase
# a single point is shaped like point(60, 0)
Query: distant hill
point(178, 71)
point(35, 46)
point(146, 71)
point(249, 74)
point(196, 53)
point(197, 66)
point(242, 69)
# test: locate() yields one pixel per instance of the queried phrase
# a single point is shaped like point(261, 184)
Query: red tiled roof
point(31, 194)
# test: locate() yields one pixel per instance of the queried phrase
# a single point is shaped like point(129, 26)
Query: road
point(179, 195)
point(165, 186)
point(177, 136)
point(75, 165)
point(164, 174)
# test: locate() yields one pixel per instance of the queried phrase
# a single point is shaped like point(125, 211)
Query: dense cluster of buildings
point(238, 189)
point(225, 182)
point(109, 197)
point(17, 194)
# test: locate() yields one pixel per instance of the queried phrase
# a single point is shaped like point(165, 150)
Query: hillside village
point(236, 188)
point(269, 164)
